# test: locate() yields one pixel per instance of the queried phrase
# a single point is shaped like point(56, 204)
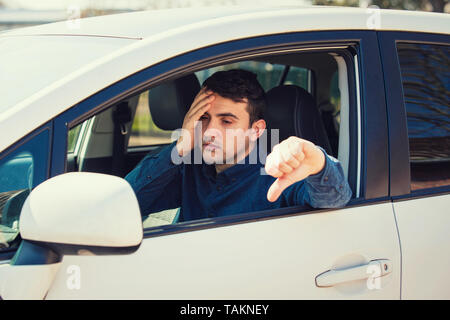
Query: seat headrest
point(170, 101)
point(293, 111)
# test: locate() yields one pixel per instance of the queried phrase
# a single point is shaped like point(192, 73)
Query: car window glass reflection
point(20, 172)
point(425, 73)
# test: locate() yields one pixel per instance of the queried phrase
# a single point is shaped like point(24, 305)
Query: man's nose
point(211, 132)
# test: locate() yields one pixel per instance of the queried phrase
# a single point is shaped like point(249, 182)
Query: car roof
point(165, 34)
point(144, 24)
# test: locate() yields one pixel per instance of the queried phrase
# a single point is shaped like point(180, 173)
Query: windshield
point(30, 63)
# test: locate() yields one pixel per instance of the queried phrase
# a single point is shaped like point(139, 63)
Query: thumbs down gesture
point(292, 160)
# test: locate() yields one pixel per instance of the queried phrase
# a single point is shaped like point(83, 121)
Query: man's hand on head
point(201, 104)
point(292, 160)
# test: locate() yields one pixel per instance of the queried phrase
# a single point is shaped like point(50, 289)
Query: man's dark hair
point(237, 85)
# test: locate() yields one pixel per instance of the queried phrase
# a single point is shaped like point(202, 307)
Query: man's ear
point(258, 128)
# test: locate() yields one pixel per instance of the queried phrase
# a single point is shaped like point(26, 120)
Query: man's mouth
point(210, 146)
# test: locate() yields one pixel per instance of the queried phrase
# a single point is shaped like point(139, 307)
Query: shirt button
point(233, 180)
point(325, 179)
point(149, 177)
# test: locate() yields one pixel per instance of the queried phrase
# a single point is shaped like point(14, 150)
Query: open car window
point(324, 76)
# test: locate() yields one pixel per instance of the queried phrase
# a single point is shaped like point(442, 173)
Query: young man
point(223, 125)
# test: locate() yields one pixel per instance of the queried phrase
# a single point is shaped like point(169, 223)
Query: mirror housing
point(75, 213)
point(83, 210)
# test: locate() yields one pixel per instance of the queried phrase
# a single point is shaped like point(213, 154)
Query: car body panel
point(156, 22)
point(269, 259)
point(424, 228)
point(48, 59)
point(422, 215)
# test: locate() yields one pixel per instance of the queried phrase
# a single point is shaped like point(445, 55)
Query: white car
point(83, 101)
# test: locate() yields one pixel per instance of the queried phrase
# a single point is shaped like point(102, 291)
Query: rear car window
point(425, 71)
point(144, 131)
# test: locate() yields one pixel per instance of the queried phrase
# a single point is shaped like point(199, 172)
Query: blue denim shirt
point(160, 184)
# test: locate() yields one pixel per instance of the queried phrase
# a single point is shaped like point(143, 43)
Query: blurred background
point(23, 13)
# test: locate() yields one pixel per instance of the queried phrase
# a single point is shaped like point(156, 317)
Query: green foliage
point(72, 138)
point(143, 124)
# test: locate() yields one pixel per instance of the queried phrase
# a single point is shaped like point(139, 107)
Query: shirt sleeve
point(156, 180)
point(327, 189)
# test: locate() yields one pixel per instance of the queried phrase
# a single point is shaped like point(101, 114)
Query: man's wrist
point(321, 163)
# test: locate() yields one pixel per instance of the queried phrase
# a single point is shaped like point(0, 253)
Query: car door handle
point(374, 269)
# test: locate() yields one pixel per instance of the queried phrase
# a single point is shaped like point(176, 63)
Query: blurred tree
point(426, 5)
point(438, 5)
point(433, 5)
point(346, 3)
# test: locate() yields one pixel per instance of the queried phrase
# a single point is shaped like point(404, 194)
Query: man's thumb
point(277, 188)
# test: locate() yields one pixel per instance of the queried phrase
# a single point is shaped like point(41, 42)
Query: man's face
point(225, 131)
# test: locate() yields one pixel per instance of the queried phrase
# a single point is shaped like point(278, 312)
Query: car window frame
point(400, 177)
point(373, 148)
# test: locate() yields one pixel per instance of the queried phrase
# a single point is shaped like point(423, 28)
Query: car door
point(289, 253)
point(417, 66)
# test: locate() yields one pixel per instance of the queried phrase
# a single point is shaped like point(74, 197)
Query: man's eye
point(226, 121)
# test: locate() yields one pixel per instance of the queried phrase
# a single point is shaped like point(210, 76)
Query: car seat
point(293, 111)
point(170, 101)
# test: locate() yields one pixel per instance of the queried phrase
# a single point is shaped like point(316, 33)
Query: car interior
point(307, 96)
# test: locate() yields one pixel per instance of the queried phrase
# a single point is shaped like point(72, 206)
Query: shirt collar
point(246, 166)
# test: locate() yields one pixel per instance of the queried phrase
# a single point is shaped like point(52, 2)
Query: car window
point(331, 113)
point(20, 171)
point(144, 131)
point(300, 77)
point(269, 75)
point(335, 95)
point(74, 134)
point(425, 71)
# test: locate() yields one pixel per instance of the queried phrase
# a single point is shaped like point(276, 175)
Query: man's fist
point(292, 160)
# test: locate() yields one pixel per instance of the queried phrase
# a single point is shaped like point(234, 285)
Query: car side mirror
point(76, 213)
point(82, 209)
